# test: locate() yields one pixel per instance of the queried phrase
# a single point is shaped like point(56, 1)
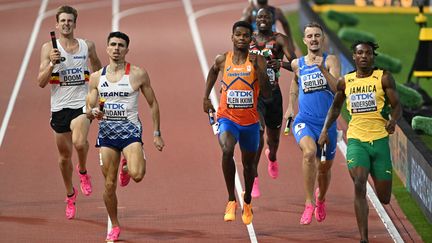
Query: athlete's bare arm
point(217, 66)
point(260, 65)
point(48, 55)
point(247, 14)
point(287, 49)
point(333, 112)
point(92, 97)
point(95, 63)
point(281, 18)
point(294, 90)
point(389, 86)
point(140, 76)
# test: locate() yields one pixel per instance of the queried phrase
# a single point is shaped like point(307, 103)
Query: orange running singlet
point(240, 90)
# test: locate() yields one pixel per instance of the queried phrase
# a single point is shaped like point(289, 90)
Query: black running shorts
point(272, 109)
point(61, 120)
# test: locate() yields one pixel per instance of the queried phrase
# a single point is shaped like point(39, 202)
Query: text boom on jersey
point(72, 76)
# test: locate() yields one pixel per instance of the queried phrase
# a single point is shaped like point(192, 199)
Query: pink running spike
point(273, 167)
point(306, 218)
point(124, 176)
point(255, 189)
point(70, 205)
point(85, 183)
point(114, 234)
point(320, 210)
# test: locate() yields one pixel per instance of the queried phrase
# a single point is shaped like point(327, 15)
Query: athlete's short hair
point(313, 25)
point(373, 45)
point(262, 2)
point(120, 35)
point(67, 9)
point(242, 24)
point(267, 10)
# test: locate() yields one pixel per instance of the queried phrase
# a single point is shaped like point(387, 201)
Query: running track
point(183, 196)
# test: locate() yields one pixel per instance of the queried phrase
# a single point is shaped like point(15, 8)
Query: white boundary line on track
point(22, 70)
point(388, 223)
point(205, 69)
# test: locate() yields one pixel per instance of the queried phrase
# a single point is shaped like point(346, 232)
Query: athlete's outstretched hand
point(207, 105)
point(94, 113)
point(323, 138)
point(289, 113)
point(390, 126)
point(158, 142)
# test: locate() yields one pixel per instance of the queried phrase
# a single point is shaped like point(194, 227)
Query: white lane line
point(115, 12)
point(22, 70)
point(146, 8)
point(205, 69)
point(388, 224)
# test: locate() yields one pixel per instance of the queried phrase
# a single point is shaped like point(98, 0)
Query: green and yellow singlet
point(366, 102)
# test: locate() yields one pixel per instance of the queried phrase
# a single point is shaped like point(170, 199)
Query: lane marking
point(205, 69)
point(117, 15)
point(22, 70)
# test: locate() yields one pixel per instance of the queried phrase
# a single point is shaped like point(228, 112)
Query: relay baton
point(287, 126)
point(211, 117)
point(213, 123)
point(323, 154)
point(54, 42)
point(101, 103)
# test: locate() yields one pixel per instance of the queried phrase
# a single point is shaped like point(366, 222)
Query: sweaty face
point(117, 49)
point(313, 38)
point(66, 23)
point(363, 56)
point(241, 37)
point(264, 20)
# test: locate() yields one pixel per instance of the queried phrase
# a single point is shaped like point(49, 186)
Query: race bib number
point(271, 74)
point(72, 77)
point(115, 111)
point(240, 99)
point(363, 102)
point(313, 81)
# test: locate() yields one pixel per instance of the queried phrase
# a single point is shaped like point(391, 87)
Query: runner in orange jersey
point(244, 78)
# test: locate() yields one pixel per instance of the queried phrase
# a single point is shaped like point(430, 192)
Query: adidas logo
point(105, 84)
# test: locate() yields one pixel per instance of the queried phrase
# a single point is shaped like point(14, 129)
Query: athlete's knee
point(137, 176)
point(64, 160)
point(227, 151)
point(81, 145)
point(360, 186)
point(384, 199)
point(384, 196)
point(110, 187)
point(272, 142)
point(309, 155)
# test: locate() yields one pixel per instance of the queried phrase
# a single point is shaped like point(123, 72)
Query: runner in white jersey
point(65, 68)
point(120, 125)
point(119, 84)
point(69, 78)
